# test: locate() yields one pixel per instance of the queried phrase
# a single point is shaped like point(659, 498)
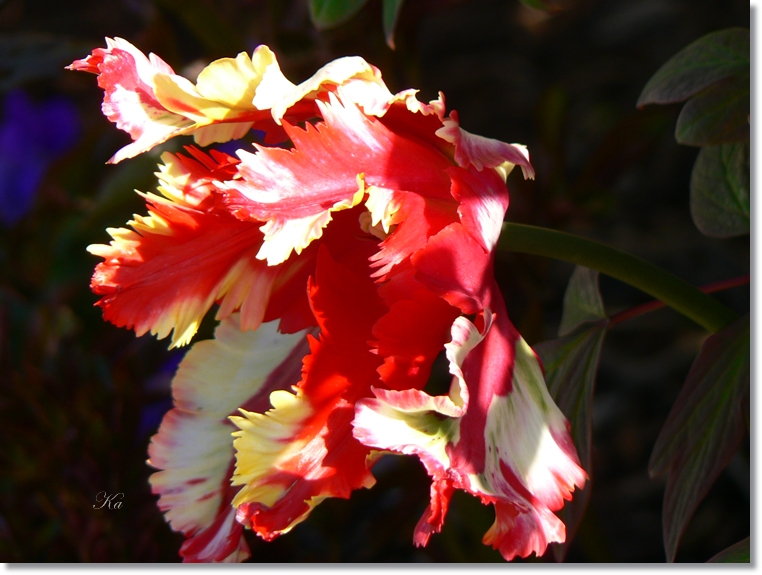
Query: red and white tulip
point(341, 265)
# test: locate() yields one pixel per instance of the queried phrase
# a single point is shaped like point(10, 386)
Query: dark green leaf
point(391, 14)
point(571, 365)
point(708, 60)
point(582, 300)
point(329, 13)
point(737, 553)
point(720, 190)
point(718, 115)
point(704, 428)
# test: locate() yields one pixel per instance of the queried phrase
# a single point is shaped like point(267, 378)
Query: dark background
point(79, 398)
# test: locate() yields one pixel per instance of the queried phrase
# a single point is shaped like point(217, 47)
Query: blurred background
point(80, 398)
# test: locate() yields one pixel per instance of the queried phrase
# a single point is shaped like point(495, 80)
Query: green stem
point(670, 289)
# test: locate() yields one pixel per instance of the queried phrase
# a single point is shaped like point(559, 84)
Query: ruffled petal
point(166, 273)
point(350, 151)
point(364, 83)
point(415, 423)
point(503, 441)
point(479, 200)
point(223, 91)
point(427, 118)
point(456, 261)
point(144, 96)
point(293, 457)
point(481, 152)
point(190, 180)
point(301, 451)
point(236, 82)
point(188, 253)
point(127, 77)
point(412, 218)
point(194, 448)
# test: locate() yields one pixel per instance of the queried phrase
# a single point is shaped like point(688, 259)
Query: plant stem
point(626, 314)
point(653, 280)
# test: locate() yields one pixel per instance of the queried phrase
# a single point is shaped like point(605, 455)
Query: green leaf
point(571, 365)
point(709, 59)
point(704, 428)
point(737, 553)
point(330, 13)
point(582, 300)
point(391, 14)
point(720, 190)
point(717, 115)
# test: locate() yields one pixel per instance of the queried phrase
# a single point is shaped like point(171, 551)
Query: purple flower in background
point(32, 136)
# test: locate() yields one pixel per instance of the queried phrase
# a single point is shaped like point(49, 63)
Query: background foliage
point(79, 398)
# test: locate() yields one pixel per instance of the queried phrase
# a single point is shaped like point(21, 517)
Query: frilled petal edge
point(194, 446)
point(530, 466)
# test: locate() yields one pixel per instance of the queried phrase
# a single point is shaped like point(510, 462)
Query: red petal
point(489, 366)
point(190, 180)
point(329, 461)
point(433, 518)
point(454, 266)
point(126, 76)
point(279, 182)
point(168, 277)
point(281, 186)
point(411, 335)
point(417, 219)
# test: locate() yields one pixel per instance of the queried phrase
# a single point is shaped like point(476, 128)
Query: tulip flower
point(341, 262)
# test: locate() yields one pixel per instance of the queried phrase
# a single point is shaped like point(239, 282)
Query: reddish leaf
point(720, 190)
point(571, 366)
point(709, 59)
point(582, 300)
point(737, 553)
point(704, 428)
point(717, 115)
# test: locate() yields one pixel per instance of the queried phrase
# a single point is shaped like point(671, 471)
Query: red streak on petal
point(212, 543)
point(282, 184)
point(207, 496)
point(488, 371)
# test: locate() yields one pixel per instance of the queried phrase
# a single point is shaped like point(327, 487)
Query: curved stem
point(652, 305)
point(664, 286)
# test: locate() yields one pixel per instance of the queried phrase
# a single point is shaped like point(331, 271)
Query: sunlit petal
point(194, 447)
point(507, 444)
point(481, 152)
